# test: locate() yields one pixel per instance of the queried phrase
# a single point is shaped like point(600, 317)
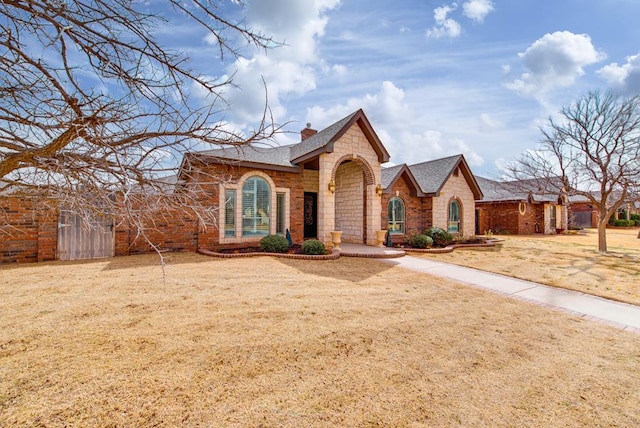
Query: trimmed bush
point(441, 238)
point(313, 247)
point(274, 244)
point(421, 241)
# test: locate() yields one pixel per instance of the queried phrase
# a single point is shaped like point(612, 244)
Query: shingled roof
point(291, 156)
point(432, 175)
point(512, 191)
point(251, 156)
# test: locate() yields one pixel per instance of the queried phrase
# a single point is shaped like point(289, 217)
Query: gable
point(391, 176)
point(432, 176)
point(323, 141)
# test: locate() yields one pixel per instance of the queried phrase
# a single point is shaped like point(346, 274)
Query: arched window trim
point(237, 186)
point(396, 225)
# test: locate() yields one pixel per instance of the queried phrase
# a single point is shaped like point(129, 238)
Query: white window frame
point(222, 239)
point(392, 222)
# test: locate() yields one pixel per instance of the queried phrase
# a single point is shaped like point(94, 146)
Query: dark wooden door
point(310, 215)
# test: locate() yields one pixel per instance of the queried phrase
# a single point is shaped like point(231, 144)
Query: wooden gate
point(80, 239)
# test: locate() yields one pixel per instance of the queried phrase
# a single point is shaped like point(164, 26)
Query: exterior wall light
point(379, 190)
point(332, 186)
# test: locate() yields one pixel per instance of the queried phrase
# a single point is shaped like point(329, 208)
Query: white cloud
point(556, 60)
point(625, 77)
point(488, 123)
point(288, 70)
point(445, 27)
point(477, 9)
point(403, 128)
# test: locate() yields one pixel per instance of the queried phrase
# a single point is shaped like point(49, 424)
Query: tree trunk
point(602, 235)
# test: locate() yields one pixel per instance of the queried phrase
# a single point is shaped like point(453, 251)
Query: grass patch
point(565, 261)
point(277, 342)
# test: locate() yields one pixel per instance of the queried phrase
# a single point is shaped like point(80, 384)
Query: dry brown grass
point(274, 342)
point(566, 261)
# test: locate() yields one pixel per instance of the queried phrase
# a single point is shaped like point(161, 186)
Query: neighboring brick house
point(507, 208)
point(440, 193)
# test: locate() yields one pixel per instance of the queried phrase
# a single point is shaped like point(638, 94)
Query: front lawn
point(566, 261)
point(278, 342)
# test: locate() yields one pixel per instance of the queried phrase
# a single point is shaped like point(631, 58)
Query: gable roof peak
point(322, 141)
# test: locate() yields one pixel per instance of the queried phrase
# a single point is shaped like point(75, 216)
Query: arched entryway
point(352, 176)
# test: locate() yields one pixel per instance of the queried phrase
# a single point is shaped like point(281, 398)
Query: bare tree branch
point(593, 152)
point(96, 113)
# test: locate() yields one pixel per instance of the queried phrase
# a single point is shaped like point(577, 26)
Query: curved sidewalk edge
point(617, 314)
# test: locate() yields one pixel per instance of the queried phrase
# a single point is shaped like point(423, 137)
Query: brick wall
point(295, 182)
point(28, 230)
point(172, 231)
point(418, 211)
point(507, 217)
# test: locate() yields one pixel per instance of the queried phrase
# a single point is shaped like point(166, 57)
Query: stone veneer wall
point(310, 180)
point(353, 144)
point(350, 202)
point(459, 188)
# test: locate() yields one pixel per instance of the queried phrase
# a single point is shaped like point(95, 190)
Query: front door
point(310, 215)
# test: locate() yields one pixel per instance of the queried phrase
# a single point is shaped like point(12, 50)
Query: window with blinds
point(255, 207)
point(280, 212)
point(230, 213)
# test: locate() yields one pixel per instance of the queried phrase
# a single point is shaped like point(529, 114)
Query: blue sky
point(435, 78)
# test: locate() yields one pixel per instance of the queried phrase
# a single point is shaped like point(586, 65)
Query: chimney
point(307, 132)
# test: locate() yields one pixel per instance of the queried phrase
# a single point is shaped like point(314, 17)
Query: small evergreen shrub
point(274, 244)
point(313, 247)
point(421, 241)
point(441, 238)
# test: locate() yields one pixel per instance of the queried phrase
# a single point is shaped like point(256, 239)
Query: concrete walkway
point(620, 315)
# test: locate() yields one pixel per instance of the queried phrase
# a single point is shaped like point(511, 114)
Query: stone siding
point(350, 202)
point(353, 146)
point(458, 188)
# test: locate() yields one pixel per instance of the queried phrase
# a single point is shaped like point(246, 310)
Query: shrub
point(274, 244)
point(421, 241)
point(313, 247)
point(441, 238)
point(635, 217)
point(622, 223)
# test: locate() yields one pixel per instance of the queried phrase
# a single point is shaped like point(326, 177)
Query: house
point(512, 207)
point(440, 193)
point(332, 180)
